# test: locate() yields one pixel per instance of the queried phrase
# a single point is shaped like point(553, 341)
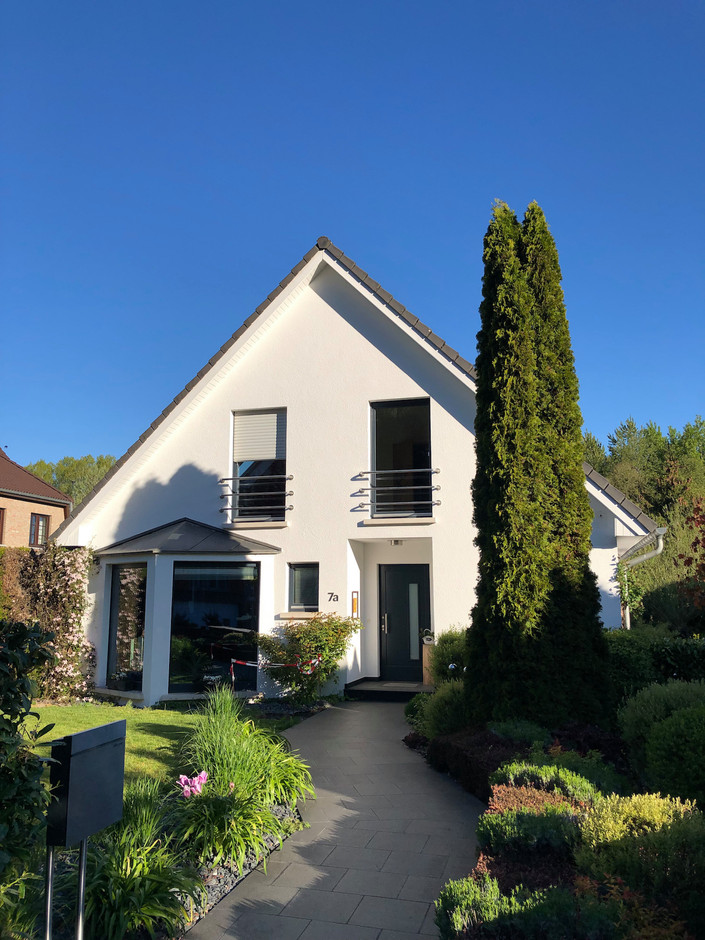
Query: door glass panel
point(401, 476)
point(214, 607)
point(126, 637)
point(414, 621)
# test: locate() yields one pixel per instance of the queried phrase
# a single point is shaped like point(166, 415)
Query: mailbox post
point(87, 778)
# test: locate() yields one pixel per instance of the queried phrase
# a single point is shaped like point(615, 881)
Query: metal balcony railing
point(400, 492)
point(256, 497)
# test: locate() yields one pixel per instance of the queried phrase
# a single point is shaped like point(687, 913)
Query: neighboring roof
point(185, 536)
point(17, 482)
point(617, 496)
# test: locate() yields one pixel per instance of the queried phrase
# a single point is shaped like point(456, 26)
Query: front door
point(404, 613)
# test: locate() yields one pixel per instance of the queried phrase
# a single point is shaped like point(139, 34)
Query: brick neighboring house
point(30, 509)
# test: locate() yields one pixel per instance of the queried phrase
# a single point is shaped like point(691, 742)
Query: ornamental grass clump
point(225, 812)
point(137, 880)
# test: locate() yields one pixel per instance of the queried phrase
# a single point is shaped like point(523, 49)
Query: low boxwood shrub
point(518, 729)
point(615, 818)
point(592, 766)
point(446, 710)
point(448, 656)
point(546, 777)
point(554, 827)
point(504, 798)
point(653, 844)
point(649, 706)
point(675, 755)
point(479, 906)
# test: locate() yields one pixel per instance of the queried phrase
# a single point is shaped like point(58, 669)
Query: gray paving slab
point(385, 835)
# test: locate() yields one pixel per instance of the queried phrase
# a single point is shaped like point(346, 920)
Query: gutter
point(630, 562)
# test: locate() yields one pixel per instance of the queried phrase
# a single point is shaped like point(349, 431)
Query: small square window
point(303, 587)
point(38, 529)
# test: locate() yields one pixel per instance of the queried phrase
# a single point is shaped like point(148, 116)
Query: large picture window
point(215, 606)
point(128, 592)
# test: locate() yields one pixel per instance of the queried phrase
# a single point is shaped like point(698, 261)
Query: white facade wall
point(324, 352)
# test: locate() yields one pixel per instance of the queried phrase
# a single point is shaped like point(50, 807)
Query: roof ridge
point(617, 496)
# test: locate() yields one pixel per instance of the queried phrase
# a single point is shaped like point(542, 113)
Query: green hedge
point(648, 654)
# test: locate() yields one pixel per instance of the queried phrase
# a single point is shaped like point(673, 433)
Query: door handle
point(384, 623)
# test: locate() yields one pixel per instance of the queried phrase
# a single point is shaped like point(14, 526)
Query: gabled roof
point(185, 536)
point(20, 483)
point(618, 497)
point(323, 244)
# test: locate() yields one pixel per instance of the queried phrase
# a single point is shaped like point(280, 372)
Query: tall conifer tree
point(535, 648)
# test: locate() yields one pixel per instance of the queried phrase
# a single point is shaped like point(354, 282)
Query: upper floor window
point(401, 458)
point(38, 529)
point(259, 465)
point(303, 586)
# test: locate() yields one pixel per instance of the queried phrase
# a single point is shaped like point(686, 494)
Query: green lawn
point(154, 735)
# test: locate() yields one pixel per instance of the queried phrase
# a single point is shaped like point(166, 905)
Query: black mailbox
point(87, 783)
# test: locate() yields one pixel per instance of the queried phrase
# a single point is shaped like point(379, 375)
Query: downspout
point(632, 562)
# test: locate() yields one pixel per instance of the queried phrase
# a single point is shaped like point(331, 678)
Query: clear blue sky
point(164, 164)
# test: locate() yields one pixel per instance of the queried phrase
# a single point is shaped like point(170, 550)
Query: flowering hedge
point(48, 586)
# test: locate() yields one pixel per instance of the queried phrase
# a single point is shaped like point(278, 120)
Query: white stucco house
point(321, 461)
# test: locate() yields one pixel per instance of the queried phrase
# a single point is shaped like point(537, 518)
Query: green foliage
point(594, 452)
point(555, 827)
point(448, 655)
point(54, 580)
point(302, 642)
point(74, 476)
point(655, 845)
point(615, 817)
point(592, 766)
point(546, 777)
point(651, 705)
point(415, 709)
point(535, 647)
point(445, 711)
point(517, 729)
point(469, 904)
point(249, 770)
point(136, 879)
point(632, 662)
point(675, 755)
point(232, 750)
point(23, 798)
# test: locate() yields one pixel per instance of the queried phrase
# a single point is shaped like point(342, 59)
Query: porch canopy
point(186, 537)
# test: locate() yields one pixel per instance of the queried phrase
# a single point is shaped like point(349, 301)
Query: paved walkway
point(386, 833)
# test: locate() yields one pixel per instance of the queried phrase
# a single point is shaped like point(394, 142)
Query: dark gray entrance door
point(404, 613)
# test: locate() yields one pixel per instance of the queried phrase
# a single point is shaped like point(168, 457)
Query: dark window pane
point(401, 478)
point(259, 489)
point(303, 587)
point(126, 638)
point(214, 606)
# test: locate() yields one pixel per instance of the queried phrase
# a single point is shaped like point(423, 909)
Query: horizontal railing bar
point(402, 470)
point(403, 502)
point(255, 478)
point(383, 488)
point(257, 495)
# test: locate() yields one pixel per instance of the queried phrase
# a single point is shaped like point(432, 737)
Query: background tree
point(74, 476)
point(665, 475)
point(535, 648)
